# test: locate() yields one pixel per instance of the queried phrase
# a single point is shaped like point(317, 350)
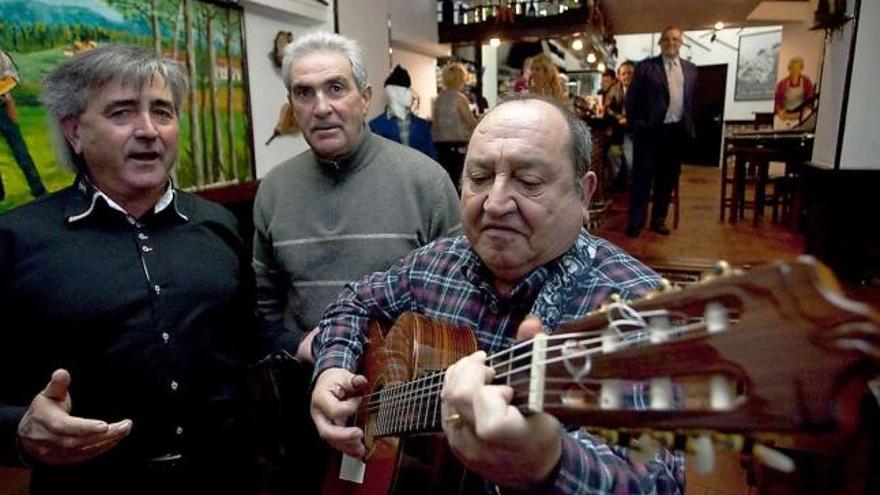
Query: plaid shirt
point(446, 280)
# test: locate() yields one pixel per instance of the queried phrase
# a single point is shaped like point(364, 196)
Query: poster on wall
point(206, 37)
point(756, 66)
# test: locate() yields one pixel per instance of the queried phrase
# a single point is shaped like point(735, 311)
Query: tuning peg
point(721, 393)
point(722, 268)
point(716, 317)
point(658, 329)
point(661, 393)
point(773, 458)
point(703, 450)
point(608, 435)
point(730, 443)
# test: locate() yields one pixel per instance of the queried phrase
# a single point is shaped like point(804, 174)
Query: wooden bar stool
point(747, 168)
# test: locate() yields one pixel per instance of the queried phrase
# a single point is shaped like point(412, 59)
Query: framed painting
point(757, 60)
point(206, 37)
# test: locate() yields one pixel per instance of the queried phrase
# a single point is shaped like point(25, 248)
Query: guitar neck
point(414, 407)
point(407, 408)
point(777, 349)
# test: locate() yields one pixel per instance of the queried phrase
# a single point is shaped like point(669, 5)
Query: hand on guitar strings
point(335, 398)
point(491, 437)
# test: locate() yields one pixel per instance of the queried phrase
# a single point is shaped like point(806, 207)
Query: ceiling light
point(591, 57)
point(600, 67)
point(577, 45)
point(495, 42)
point(719, 26)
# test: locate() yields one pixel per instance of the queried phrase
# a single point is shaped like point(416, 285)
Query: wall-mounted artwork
point(756, 65)
point(216, 143)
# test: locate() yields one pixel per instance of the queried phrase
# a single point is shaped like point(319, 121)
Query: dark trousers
point(657, 164)
point(228, 472)
point(12, 134)
point(451, 157)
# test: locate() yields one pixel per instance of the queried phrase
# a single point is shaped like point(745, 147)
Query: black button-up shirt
point(153, 317)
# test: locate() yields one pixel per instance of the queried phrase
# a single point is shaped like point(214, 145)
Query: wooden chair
point(745, 169)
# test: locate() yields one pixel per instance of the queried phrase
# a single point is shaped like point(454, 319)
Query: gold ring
point(452, 419)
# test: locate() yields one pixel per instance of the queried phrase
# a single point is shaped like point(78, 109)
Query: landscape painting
point(216, 144)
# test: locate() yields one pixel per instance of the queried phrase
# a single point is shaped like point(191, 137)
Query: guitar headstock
point(775, 350)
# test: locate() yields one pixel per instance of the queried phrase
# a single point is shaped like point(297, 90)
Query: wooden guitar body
point(422, 463)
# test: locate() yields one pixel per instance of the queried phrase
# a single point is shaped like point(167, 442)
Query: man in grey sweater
point(351, 205)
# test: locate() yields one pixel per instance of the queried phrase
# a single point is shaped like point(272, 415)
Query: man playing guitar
point(525, 193)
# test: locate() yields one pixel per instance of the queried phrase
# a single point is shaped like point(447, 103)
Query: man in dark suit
point(659, 107)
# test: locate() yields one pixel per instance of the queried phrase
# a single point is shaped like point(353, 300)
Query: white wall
point(490, 74)
point(267, 93)
point(367, 22)
point(799, 41)
point(412, 19)
point(415, 47)
point(831, 99)
point(862, 134)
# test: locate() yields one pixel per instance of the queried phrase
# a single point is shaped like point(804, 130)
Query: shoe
point(633, 231)
point(660, 229)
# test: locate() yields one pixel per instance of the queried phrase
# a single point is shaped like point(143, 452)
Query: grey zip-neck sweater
point(321, 224)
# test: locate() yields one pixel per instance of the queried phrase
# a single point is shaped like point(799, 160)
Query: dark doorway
point(709, 115)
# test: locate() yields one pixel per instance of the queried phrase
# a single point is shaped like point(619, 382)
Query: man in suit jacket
point(659, 107)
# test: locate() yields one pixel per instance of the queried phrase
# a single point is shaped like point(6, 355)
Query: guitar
point(774, 355)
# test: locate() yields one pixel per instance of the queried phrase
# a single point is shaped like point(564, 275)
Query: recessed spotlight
point(600, 67)
point(577, 45)
point(719, 26)
point(591, 57)
point(495, 42)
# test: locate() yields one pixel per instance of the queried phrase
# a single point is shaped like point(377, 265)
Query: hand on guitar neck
point(490, 436)
point(335, 398)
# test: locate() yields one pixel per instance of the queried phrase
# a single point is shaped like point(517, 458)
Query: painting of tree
point(206, 37)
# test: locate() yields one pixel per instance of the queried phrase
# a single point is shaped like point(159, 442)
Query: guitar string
point(633, 339)
point(429, 391)
point(632, 318)
point(636, 320)
point(413, 391)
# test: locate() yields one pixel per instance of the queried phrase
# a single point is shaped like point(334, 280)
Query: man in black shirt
point(137, 300)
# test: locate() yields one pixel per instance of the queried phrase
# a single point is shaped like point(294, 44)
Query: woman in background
point(453, 121)
point(544, 79)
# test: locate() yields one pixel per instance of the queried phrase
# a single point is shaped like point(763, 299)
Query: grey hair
point(66, 88)
point(322, 41)
point(579, 136)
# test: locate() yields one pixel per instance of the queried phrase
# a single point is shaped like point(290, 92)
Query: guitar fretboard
point(414, 407)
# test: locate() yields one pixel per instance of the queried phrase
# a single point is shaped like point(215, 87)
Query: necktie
point(673, 78)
